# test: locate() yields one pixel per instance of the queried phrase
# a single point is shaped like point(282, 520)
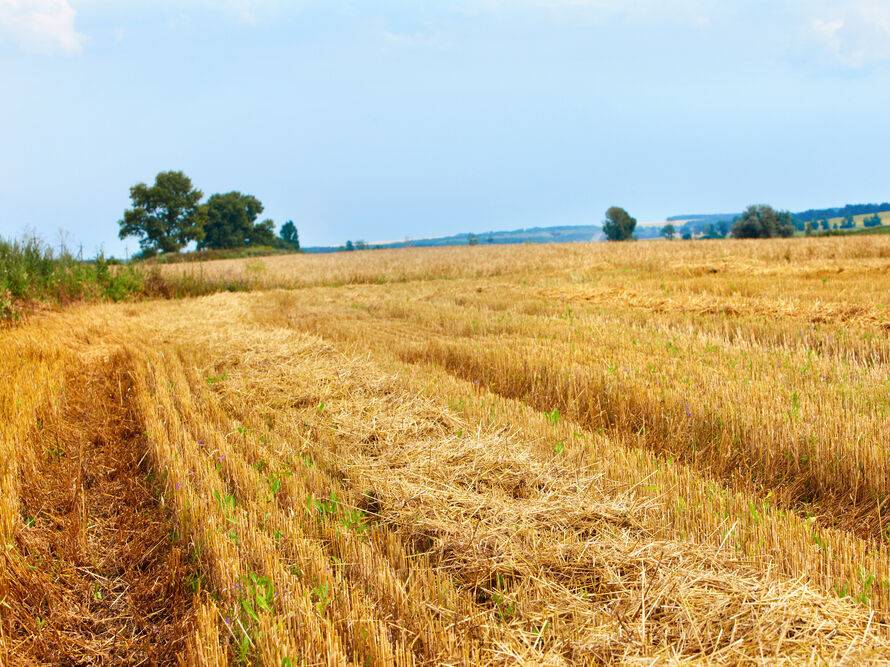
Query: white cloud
point(40, 25)
point(855, 32)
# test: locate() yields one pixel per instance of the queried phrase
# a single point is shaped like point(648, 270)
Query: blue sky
point(386, 120)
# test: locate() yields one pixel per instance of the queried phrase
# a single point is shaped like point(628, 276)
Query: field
point(859, 223)
point(651, 452)
point(858, 231)
point(858, 220)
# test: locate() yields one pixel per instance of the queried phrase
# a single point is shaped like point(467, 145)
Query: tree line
point(759, 221)
point(169, 215)
point(848, 211)
point(826, 225)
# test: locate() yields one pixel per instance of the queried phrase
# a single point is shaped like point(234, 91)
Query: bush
point(118, 283)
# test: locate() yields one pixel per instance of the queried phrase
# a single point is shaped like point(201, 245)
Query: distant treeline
point(558, 234)
point(697, 223)
point(706, 226)
point(170, 215)
point(704, 217)
point(719, 225)
point(849, 210)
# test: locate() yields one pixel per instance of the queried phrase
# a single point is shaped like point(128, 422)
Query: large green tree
point(229, 222)
point(289, 235)
point(762, 222)
point(619, 225)
point(164, 216)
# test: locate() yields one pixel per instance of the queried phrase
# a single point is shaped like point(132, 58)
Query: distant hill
point(809, 215)
point(696, 225)
point(703, 217)
point(843, 212)
point(560, 234)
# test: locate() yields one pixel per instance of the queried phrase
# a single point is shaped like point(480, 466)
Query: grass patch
point(32, 273)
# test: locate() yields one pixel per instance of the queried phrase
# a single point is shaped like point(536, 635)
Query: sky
point(384, 120)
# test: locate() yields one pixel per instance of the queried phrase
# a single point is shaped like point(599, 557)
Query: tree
point(762, 222)
point(361, 245)
point(873, 221)
point(472, 239)
point(263, 233)
point(669, 232)
point(229, 222)
point(808, 228)
point(825, 225)
point(848, 223)
point(289, 235)
point(165, 216)
point(619, 225)
point(349, 245)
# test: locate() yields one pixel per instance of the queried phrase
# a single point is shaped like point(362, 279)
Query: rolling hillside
point(695, 224)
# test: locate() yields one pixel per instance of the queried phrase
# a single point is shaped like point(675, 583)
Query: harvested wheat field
point(639, 453)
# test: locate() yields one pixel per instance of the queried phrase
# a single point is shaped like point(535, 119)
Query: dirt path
point(99, 576)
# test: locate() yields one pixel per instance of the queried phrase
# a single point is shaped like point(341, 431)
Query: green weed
point(321, 598)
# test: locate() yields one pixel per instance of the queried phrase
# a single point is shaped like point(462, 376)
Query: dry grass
point(546, 455)
point(568, 260)
point(95, 575)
